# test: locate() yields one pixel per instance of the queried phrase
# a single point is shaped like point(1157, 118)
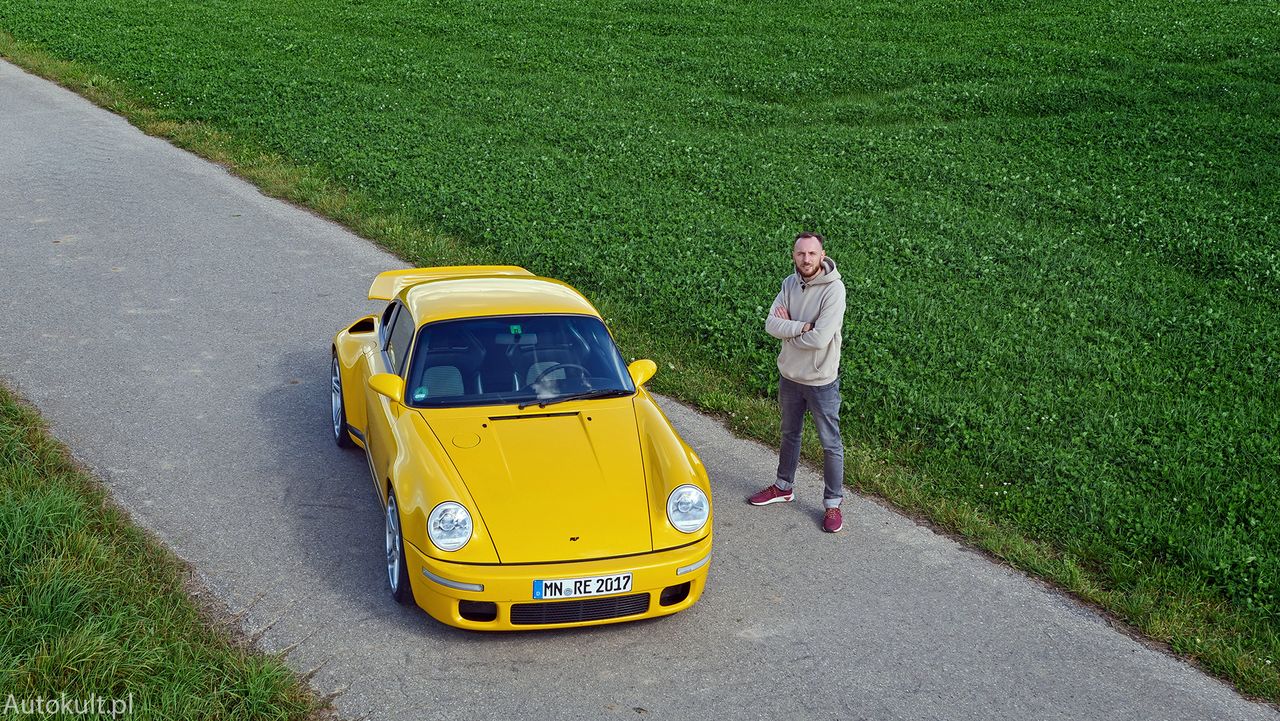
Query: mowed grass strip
point(1056, 221)
point(90, 608)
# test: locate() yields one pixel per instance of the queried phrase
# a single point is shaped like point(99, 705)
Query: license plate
point(577, 587)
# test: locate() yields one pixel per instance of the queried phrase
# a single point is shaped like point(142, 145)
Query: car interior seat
point(450, 366)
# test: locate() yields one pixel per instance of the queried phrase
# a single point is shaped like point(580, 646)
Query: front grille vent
point(587, 609)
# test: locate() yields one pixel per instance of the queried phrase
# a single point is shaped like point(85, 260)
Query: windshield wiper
point(585, 395)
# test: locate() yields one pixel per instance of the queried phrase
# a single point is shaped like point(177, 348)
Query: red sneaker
point(832, 522)
point(772, 494)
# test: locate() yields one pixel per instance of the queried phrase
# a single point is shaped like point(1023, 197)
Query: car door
point(392, 357)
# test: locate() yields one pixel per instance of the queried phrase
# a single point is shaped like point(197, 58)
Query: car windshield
point(514, 359)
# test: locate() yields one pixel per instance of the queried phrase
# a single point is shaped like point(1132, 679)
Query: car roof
point(496, 295)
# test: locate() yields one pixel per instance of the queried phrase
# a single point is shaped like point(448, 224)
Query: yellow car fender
point(424, 477)
point(669, 463)
point(351, 345)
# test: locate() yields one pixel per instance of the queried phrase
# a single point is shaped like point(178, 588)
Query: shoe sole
point(778, 499)
point(837, 529)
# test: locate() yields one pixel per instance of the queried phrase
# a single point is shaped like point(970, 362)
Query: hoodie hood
point(829, 274)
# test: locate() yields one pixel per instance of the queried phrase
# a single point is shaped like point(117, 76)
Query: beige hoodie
point(811, 358)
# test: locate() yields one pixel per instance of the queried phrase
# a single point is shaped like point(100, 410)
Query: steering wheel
point(555, 367)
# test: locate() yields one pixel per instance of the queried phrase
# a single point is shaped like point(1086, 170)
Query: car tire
point(397, 566)
point(341, 436)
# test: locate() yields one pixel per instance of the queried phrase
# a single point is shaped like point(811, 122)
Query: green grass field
point(1057, 223)
point(90, 608)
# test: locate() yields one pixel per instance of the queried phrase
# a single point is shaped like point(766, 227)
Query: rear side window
point(398, 339)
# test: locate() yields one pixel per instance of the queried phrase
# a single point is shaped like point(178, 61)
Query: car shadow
point(331, 510)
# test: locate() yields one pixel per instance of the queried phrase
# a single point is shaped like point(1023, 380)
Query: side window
point(384, 330)
point(386, 319)
point(398, 339)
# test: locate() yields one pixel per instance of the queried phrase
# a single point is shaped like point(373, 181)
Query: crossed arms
point(812, 335)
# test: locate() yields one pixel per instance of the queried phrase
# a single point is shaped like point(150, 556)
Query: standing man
point(807, 316)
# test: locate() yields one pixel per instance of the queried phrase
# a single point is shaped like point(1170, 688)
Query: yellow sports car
point(528, 478)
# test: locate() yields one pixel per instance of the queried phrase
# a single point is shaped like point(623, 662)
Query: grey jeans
point(823, 404)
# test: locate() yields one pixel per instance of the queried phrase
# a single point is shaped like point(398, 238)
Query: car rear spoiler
point(389, 284)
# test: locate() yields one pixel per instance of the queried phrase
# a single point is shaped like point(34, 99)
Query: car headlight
point(449, 526)
point(688, 508)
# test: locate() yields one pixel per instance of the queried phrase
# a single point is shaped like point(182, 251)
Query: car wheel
point(397, 567)
point(340, 434)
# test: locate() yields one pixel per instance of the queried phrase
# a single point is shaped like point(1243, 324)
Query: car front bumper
point(450, 593)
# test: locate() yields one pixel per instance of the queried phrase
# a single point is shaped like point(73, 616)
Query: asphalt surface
point(173, 326)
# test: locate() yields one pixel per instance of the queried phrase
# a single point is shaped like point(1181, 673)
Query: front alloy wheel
point(397, 568)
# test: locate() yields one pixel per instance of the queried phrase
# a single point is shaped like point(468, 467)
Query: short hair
point(816, 236)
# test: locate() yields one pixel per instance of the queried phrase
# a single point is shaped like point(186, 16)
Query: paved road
point(172, 324)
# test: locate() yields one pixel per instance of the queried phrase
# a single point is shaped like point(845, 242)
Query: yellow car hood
point(561, 483)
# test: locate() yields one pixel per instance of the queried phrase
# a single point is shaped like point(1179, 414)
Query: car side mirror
point(641, 371)
point(389, 385)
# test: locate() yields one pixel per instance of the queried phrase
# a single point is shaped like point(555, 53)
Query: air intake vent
point(590, 609)
point(527, 416)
